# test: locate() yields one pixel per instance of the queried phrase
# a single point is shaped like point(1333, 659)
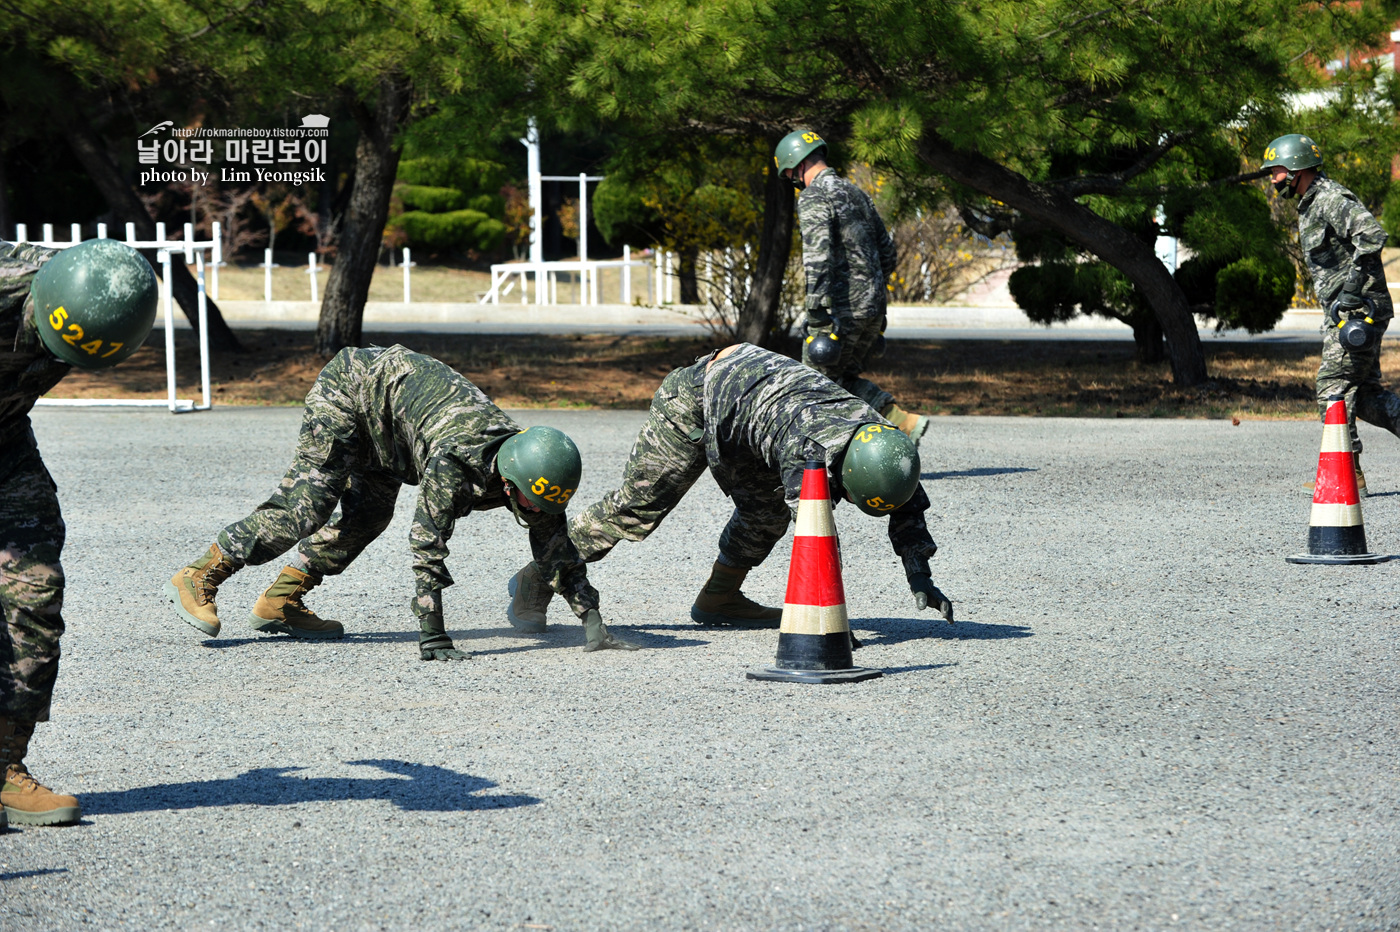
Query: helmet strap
point(515, 505)
point(796, 179)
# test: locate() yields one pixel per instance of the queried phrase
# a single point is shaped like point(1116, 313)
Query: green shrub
point(457, 229)
point(431, 199)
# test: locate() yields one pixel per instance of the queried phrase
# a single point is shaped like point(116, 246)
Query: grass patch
point(1032, 378)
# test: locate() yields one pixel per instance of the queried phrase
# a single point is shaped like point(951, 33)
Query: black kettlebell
point(1360, 334)
point(823, 349)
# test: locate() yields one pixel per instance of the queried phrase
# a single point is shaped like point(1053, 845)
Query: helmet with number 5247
point(881, 468)
point(544, 465)
point(94, 303)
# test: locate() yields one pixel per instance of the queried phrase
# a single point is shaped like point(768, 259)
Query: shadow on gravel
point(897, 630)
point(978, 473)
point(20, 875)
point(427, 788)
point(561, 636)
point(917, 668)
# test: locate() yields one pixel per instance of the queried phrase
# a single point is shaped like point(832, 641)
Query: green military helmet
point(795, 147)
point(1294, 152)
point(544, 465)
point(881, 468)
point(94, 303)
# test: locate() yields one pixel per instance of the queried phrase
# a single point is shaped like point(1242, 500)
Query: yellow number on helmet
point(92, 347)
point(57, 318)
point(810, 137)
point(1270, 152)
point(564, 496)
point(540, 485)
point(1317, 152)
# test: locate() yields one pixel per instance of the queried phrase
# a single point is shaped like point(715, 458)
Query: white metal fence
point(193, 252)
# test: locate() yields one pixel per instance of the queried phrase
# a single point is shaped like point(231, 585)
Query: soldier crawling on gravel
point(848, 256)
point(755, 418)
point(1341, 243)
point(91, 305)
point(376, 419)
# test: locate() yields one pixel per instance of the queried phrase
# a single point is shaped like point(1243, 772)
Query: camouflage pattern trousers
point(667, 457)
point(856, 347)
point(1356, 376)
point(326, 469)
point(31, 581)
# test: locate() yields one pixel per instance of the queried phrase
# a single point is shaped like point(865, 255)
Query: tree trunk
point(1105, 239)
point(760, 310)
point(690, 285)
point(357, 252)
point(127, 208)
point(1147, 335)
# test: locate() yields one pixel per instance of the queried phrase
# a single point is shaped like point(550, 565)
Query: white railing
point(193, 251)
point(505, 276)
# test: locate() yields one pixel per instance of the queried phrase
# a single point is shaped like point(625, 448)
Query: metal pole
point(164, 258)
point(407, 261)
point(311, 270)
point(626, 274)
point(267, 275)
point(203, 332)
point(218, 259)
point(102, 234)
point(77, 233)
point(670, 274)
point(21, 233)
point(582, 217)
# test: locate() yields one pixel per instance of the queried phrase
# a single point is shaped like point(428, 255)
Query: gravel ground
point(1144, 717)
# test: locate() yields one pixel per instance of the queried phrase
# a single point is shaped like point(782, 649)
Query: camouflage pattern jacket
point(766, 415)
point(27, 369)
point(426, 425)
point(846, 251)
point(1337, 233)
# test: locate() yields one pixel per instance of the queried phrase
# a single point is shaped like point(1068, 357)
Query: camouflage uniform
point(1337, 234)
point(848, 256)
point(377, 419)
point(755, 418)
point(31, 526)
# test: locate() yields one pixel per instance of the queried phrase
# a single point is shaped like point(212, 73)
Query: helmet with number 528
point(881, 468)
point(544, 465)
point(94, 303)
point(796, 146)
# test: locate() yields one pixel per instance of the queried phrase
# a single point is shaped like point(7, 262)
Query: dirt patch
point(994, 377)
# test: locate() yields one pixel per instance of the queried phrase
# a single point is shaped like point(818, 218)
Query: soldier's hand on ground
point(598, 637)
point(926, 594)
point(433, 642)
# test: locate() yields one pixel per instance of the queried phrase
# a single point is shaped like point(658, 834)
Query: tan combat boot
point(529, 600)
point(192, 590)
point(280, 610)
point(721, 603)
point(26, 800)
point(912, 424)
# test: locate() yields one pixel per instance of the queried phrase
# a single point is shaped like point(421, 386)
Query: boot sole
point(273, 626)
point(715, 619)
point(65, 816)
point(519, 624)
point(921, 428)
point(173, 594)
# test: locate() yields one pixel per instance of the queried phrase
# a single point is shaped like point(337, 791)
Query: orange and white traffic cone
point(814, 637)
point(1336, 533)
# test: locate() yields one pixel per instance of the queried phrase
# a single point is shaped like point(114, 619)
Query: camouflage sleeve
point(563, 569)
point(817, 217)
point(889, 257)
point(438, 493)
point(19, 262)
point(1360, 227)
point(909, 531)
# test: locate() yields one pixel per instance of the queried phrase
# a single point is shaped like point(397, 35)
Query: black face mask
point(795, 179)
point(1285, 187)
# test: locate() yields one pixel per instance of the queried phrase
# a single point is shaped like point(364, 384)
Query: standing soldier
point(848, 256)
point(377, 419)
point(1341, 244)
point(755, 418)
point(91, 306)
